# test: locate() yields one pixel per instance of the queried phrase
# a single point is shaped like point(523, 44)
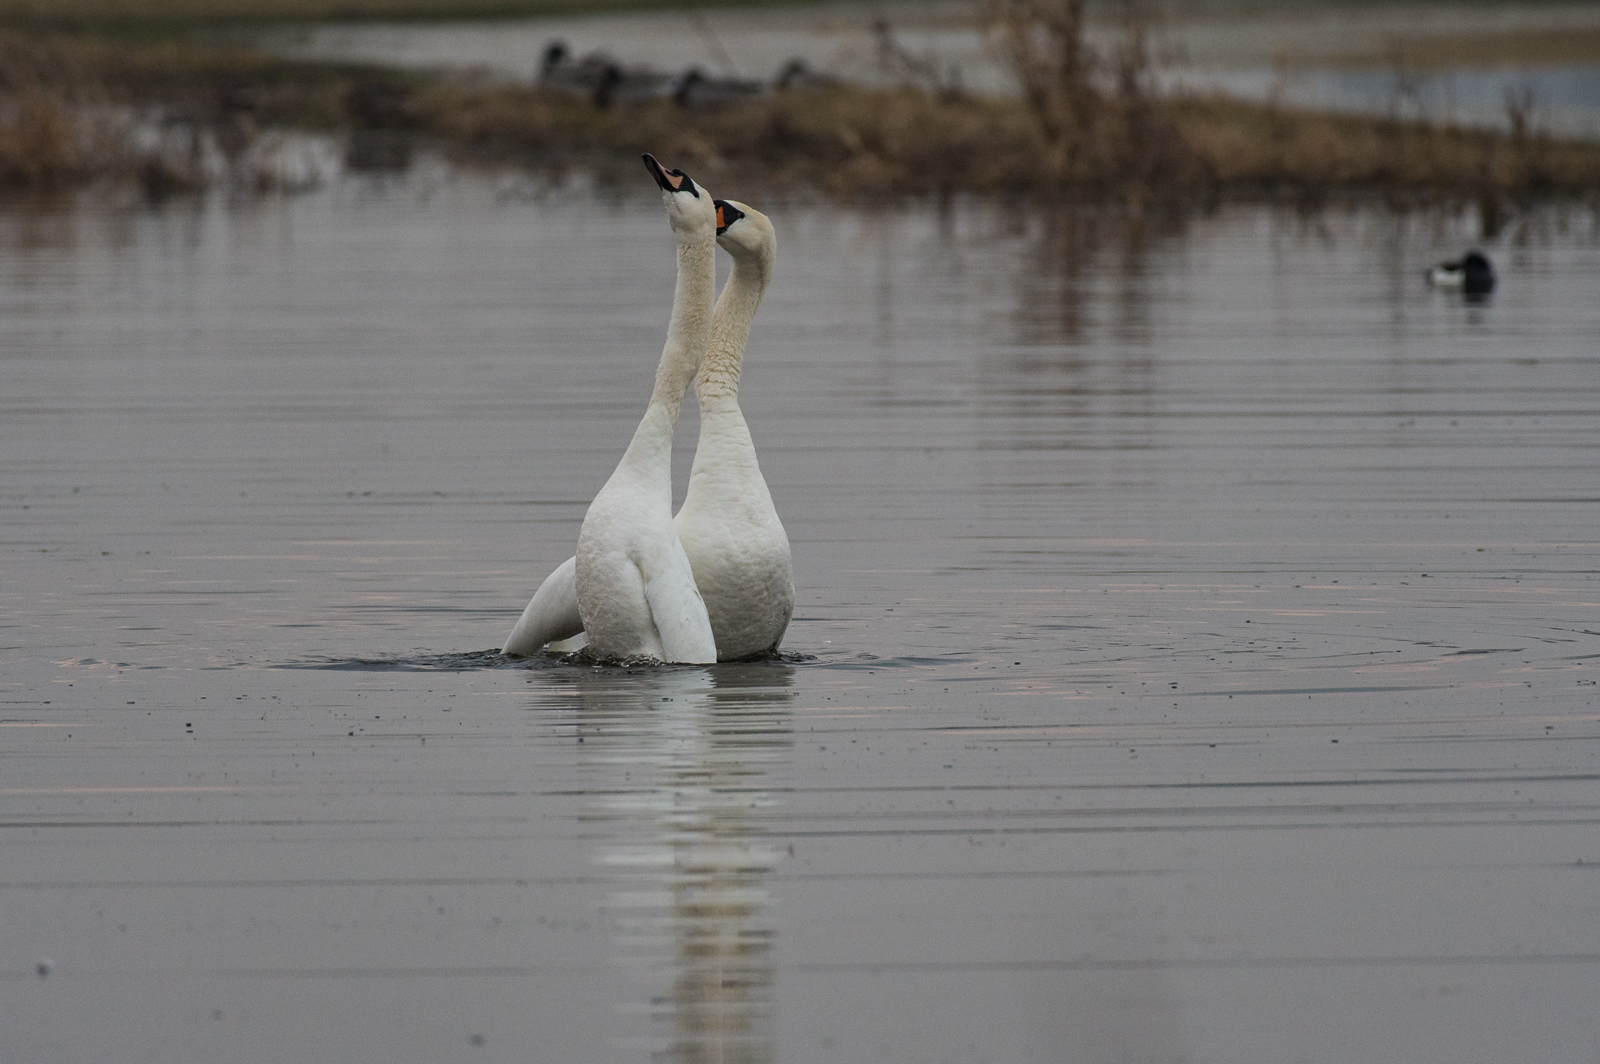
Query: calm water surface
point(1195, 657)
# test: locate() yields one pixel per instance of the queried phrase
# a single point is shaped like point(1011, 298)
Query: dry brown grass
point(854, 143)
point(843, 142)
point(74, 110)
point(1117, 140)
point(41, 143)
point(1247, 145)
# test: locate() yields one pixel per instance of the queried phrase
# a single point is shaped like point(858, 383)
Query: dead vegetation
point(1087, 126)
point(167, 117)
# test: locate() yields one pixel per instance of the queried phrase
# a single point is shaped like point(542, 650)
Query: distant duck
point(600, 78)
point(797, 75)
point(1472, 273)
point(630, 85)
point(559, 72)
point(698, 91)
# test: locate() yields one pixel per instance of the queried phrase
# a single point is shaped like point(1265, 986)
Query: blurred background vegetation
point(147, 16)
point(152, 93)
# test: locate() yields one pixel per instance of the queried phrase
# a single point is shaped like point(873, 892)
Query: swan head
point(689, 207)
point(746, 233)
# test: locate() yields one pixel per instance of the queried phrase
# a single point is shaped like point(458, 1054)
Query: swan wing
point(552, 613)
point(678, 610)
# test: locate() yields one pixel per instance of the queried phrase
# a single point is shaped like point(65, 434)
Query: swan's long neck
point(690, 329)
point(650, 452)
point(717, 383)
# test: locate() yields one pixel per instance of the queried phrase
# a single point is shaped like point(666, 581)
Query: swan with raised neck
point(728, 525)
point(631, 582)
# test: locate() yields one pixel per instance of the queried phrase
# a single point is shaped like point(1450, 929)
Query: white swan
point(631, 582)
point(729, 529)
point(728, 526)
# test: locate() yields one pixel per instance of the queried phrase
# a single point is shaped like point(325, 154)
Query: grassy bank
point(853, 143)
point(65, 104)
point(77, 110)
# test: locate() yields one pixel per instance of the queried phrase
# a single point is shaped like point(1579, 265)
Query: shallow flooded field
point(1195, 657)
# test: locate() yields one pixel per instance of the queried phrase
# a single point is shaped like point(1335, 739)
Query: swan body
point(728, 526)
point(636, 592)
point(630, 592)
point(737, 548)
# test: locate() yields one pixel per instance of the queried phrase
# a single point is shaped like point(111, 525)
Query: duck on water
point(1473, 274)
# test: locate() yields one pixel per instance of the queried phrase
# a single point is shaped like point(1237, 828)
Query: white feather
point(636, 592)
point(728, 524)
point(551, 616)
point(734, 544)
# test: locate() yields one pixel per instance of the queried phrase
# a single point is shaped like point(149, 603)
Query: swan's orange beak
point(669, 180)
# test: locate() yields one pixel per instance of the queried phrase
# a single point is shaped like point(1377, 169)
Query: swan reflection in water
point(683, 754)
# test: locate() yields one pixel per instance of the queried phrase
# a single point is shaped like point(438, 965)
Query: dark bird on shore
point(629, 85)
point(699, 91)
point(1472, 273)
point(560, 72)
point(600, 78)
point(797, 74)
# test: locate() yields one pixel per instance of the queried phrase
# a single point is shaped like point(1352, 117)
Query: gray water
point(1195, 655)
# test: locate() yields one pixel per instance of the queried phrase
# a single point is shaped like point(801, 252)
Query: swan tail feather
point(569, 646)
point(551, 615)
point(680, 613)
